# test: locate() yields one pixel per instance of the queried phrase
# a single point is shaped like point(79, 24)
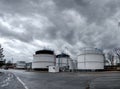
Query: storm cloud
point(30, 25)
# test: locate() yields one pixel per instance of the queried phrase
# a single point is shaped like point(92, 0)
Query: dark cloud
point(4, 32)
point(94, 10)
point(60, 23)
point(83, 3)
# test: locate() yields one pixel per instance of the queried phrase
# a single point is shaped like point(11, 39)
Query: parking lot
point(21, 79)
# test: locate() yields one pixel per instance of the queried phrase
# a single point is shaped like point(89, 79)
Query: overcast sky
point(30, 25)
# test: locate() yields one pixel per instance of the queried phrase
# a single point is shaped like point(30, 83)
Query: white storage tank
point(90, 59)
point(43, 59)
point(62, 60)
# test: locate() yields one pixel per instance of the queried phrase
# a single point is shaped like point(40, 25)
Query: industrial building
point(90, 59)
point(42, 59)
point(20, 64)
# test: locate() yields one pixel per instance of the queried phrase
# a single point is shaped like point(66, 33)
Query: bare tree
point(110, 56)
point(117, 52)
point(2, 61)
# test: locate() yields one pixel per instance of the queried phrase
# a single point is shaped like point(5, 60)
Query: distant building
point(20, 64)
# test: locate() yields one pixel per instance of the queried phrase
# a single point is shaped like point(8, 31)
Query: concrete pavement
point(9, 81)
point(80, 80)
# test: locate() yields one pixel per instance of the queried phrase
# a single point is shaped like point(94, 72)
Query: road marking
point(22, 82)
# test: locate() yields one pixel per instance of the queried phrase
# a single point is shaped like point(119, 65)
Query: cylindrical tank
point(62, 60)
point(90, 59)
point(43, 59)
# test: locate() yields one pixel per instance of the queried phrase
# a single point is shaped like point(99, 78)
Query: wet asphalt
point(63, 80)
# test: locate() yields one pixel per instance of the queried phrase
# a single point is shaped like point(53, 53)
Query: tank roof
point(88, 50)
point(44, 52)
point(62, 55)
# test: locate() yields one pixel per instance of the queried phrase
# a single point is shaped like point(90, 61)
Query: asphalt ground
point(20, 79)
point(9, 81)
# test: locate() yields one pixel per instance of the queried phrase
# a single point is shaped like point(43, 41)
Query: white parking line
point(22, 82)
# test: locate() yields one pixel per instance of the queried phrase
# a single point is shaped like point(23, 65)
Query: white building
point(20, 64)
